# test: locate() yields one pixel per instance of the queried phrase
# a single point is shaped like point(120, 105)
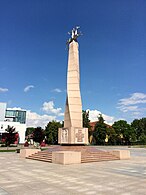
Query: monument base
point(121, 154)
point(66, 157)
point(73, 136)
point(27, 152)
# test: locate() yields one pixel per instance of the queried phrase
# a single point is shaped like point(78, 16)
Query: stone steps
point(42, 156)
point(88, 154)
point(97, 157)
point(40, 159)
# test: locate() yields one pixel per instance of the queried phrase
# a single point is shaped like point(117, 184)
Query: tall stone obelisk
point(73, 131)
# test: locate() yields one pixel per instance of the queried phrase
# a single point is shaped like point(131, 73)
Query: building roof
point(93, 124)
point(16, 109)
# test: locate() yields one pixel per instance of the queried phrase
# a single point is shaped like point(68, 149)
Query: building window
point(16, 115)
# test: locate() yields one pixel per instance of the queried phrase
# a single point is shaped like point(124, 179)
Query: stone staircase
point(97, 157)
point(88, 154)
point(42, 156)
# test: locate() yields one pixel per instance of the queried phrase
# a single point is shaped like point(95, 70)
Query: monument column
point(73, 131)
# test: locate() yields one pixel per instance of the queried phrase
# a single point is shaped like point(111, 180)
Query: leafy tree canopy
point(124, 131)
point(38, 135)
point(100, 119)
point(139, 125)
point(99, 133)
point(51, 132)
point(29, 131)
point(10, 136)
point(86, 121)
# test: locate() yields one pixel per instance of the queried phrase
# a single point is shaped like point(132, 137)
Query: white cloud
point(57, 90)
point(93, 116)
point(128, 108)
point(3, 90)
point(34, 120)
point(135, 105)
point(136, 98)
point(136, 114)
point(27, 88)
point(48, 107)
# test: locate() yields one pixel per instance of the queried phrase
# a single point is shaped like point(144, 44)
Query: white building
point(15, 118)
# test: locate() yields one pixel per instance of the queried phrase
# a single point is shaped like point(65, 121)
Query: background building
point(15, 118)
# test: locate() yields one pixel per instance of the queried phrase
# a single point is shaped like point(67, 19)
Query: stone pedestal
point(27, 152)
point(66, 157)
point(121, 154)
point(73, 135)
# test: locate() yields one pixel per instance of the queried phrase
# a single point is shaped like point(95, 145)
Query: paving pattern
point(29, 177)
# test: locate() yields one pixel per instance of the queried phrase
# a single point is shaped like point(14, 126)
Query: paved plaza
point(29, 177)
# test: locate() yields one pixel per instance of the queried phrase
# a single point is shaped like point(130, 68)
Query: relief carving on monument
point(64, 135)
point(79, 135)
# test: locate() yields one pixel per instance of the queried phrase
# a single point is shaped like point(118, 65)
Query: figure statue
point(74, 34)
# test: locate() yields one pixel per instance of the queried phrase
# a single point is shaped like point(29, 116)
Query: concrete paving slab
point(3, 192)
point(23, 176)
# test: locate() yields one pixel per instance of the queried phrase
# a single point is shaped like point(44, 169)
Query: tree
point(143, 125)
point(142, 139)
point(51, 132)
point(136, 125)
point(99, 133)
point(111, 135)
point(86, 121)
point(29, 131)
point(10, 136)
point(139, 125)
point(101, 119)
point(125, 133)
point(38, 135)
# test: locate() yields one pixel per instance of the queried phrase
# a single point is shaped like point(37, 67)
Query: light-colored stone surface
point(73, 88)
point(121, 154)
point(66, 157)
point(73, 94)
point(81, 135)
point(76, 116)
point(75, 100)
point(73, 108)
point(73, 135)
point(29, 177)
point(27, 152)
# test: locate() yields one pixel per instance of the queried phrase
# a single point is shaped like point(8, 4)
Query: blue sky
point(33, 57)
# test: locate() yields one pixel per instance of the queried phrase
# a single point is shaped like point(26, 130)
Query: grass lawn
point(138, 146)
point(9, 150)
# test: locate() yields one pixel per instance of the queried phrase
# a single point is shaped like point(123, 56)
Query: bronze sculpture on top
point(73, 131)
point(75, 33)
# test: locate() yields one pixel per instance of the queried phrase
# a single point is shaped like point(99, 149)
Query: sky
point(33, 57)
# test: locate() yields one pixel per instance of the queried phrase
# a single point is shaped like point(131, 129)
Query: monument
point(73, 131)
point(73, 137)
